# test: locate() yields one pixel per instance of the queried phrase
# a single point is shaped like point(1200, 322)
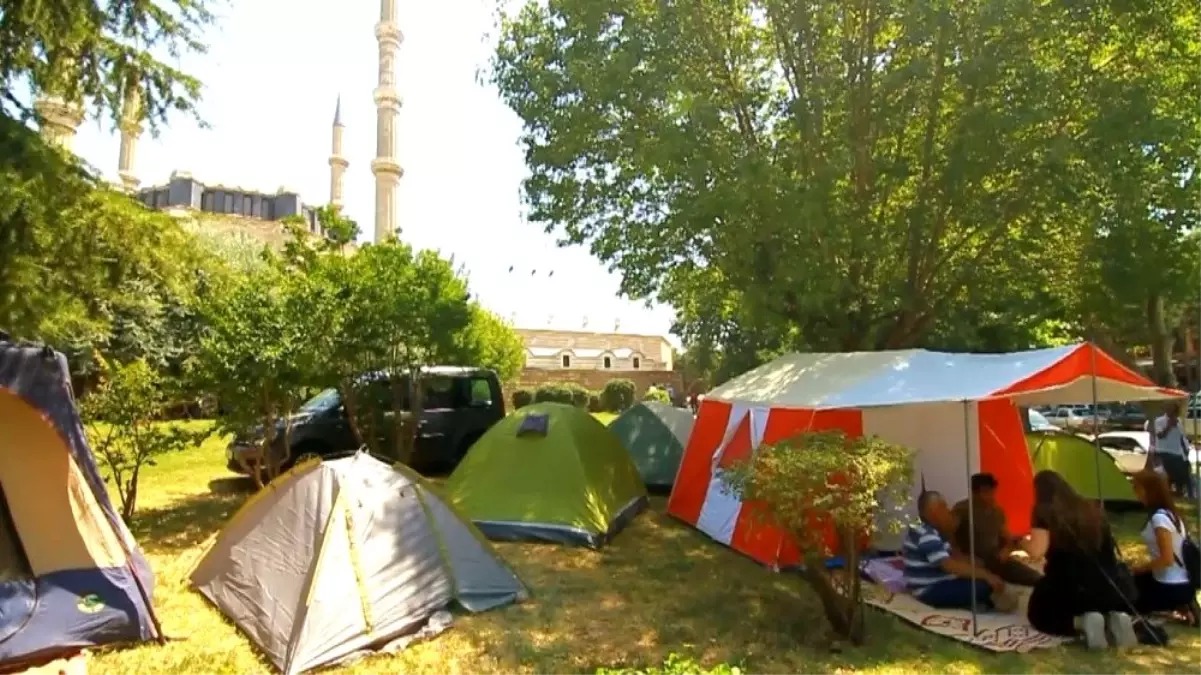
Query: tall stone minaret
point(387, 104)
point(131, 129)
point(58, 119)
point(337, 163)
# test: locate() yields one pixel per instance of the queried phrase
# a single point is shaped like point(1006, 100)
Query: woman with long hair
point(1163, 584)
point(1080, 594)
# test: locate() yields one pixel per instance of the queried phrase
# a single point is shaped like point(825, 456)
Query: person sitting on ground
point(1163, 583)
point(937, 576)
point(1080, 593)
point(994, 546)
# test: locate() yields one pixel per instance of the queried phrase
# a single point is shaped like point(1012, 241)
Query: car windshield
point(326, 400)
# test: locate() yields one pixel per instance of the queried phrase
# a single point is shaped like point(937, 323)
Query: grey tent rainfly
point(339, 556)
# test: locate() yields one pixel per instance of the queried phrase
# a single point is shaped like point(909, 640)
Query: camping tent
point(1081, 464)
point(71, 575)
point(655, 434)
point(958, 411)
point(338, 556)
point(548, 472)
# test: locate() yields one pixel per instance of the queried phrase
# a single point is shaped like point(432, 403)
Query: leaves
point(125, 430)
point(833, 176)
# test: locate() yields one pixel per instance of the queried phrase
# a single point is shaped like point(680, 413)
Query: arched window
point(567, 360)
point(608, 362)
point(637, 363)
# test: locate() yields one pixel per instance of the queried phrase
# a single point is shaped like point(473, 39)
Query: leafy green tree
point(806, 484)
point(618, 395)
point(872, 175)
point(656, 394)
point(490, 342)
point(256, 357)
point(125, 430)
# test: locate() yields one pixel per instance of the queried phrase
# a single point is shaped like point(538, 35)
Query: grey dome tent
point(655, 434)
point(343, 555)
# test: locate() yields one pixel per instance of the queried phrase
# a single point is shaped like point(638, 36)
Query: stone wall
point(594, 380)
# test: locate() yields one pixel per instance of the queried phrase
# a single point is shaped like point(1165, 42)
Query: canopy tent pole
point(971, 508)
point(1092, 353)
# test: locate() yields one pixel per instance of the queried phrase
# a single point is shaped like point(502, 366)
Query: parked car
point(1067, 417)
point(1127, 417)
point(1039, 421)
point(1129, 449)
point(458, 406)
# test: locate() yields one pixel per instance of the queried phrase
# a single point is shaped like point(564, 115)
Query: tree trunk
point(843, 612)
point(1162, 340)
point(350, 404)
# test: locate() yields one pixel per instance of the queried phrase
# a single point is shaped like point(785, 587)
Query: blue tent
point(71, 576)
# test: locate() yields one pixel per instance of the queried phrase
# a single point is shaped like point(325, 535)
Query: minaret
point(131, 129)
point(58, 119)
point(387, 104)
point(337, 163)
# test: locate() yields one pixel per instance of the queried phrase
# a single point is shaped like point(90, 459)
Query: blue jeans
point(957, 594)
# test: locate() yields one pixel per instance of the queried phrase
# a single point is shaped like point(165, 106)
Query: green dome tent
point(655, 434)
point(1080, 463)
point(548, 472)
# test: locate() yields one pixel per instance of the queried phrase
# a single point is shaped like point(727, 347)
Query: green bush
point(618, 395)
point(579, 395)
point(656, 394)
point(594, 402)
point(554, 393)
point(522, 398)
point(675, 665)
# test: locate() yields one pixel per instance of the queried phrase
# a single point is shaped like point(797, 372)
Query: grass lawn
point(661, 587)
point(605, 417)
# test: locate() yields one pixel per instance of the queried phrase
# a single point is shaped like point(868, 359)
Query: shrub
point(522, 398)
point(856, 487)
point(594, 402)
point(656, 394)
point(555, 393)
point(579, 395)
point(617, 395)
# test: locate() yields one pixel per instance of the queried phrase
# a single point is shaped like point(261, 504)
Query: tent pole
point(971, 508)
point(1092, 353)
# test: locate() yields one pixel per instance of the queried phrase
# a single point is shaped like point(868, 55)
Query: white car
point(1065, 417)
point(1129, 449)
point(1039, 421)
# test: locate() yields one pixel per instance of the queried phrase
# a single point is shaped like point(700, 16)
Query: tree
point(92, 52)
point(125, 429)
point(256, 357)
point(816, 483)
point(872, 175)
point(490, 342)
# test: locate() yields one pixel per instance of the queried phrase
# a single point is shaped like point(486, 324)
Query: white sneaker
point(1121, 627)
point(1092, 625)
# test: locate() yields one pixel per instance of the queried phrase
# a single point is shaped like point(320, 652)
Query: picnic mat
point(994, 632)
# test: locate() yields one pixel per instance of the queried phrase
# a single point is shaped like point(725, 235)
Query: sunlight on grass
point(659, 588)
point(604, 417)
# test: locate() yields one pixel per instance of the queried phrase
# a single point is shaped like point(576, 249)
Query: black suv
point(458, 406)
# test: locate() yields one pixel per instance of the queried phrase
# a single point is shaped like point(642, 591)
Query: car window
point(438, 393)
point(1120, 443)
point(326, 400)
point(481, 392)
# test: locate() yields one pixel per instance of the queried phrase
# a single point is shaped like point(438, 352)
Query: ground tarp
point(71, 576)
point(548, 472)
point(338, 556)
point(655, 434)
point(1081, 465)
point(995, 632)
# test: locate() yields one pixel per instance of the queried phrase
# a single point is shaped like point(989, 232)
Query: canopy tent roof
point(905, 377)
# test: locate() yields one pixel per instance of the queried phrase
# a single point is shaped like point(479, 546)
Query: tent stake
point(971, 508)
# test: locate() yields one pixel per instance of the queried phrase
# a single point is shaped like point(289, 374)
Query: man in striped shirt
point(932, 573)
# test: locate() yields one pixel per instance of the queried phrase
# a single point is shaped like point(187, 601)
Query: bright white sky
point(272, 75)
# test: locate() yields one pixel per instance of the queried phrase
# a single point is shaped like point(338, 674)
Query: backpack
point(1190, 554)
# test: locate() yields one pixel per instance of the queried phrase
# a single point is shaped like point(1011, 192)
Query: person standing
point(1171, 449)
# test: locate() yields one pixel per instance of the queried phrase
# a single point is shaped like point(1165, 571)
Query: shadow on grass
point(190, 521)
point(662, 587)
